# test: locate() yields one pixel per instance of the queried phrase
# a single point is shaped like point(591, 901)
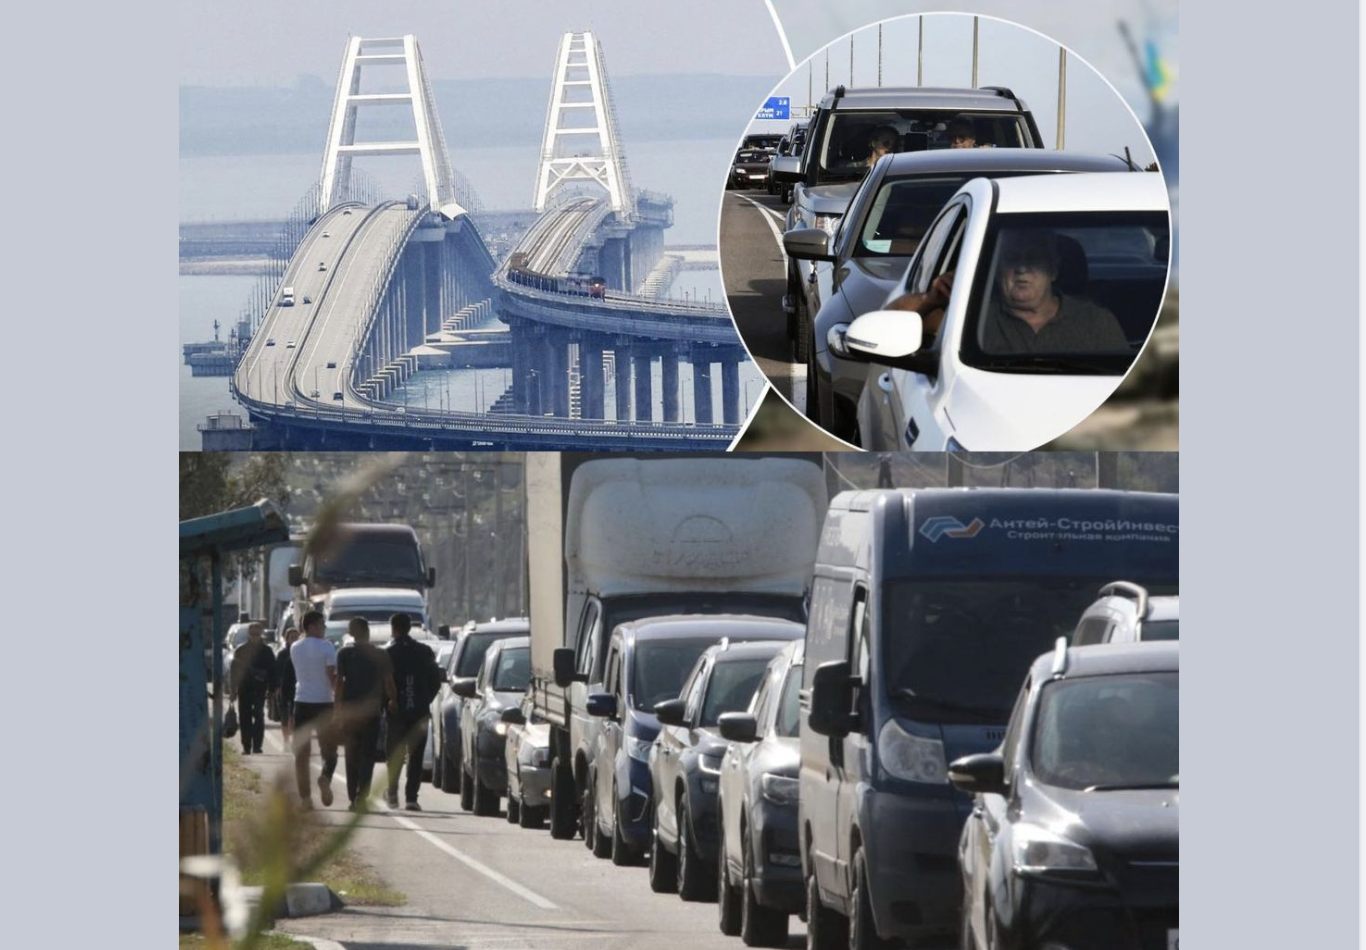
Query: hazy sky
point(1026, 62)
point(269, 42)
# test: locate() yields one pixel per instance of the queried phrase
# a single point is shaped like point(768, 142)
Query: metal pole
point(810, 73)
point(976, 23)
point(469, 541)
point(827, 69)
point(216, 635)
point(879, 54)
point(1062, 96)
point(851, 59)
point(920, 55)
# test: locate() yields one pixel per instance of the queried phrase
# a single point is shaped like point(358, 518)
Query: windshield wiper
point(948, 705)
point(1050, 364)
point(1137, 786)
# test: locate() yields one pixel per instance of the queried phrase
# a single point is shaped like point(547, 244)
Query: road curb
point(301, 900)
point(320, 943)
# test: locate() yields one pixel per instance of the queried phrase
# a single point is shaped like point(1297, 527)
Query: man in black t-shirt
point(364, 682)
point(417, 679)
point(251, 679)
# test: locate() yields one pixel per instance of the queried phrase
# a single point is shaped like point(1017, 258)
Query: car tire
point(450, 775)
point(825, 929)
point(813, 396)
point(727, 896)
point(562, 817)
point(760, 926)
point(514, 812)
point(485, 798)
point(862, 927)
point(466, 791)
point(597, 842)
point(529, 817)
point(694, 883)
point(622, 855)
point(586, 816)
point(663, 864)
point(801, 340)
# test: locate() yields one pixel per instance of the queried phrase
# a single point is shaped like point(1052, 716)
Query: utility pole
point(975, 25)
point(1062, 96)
point(879, 55)
point(920, 55)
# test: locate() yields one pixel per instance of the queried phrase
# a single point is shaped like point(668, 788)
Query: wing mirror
point(890, 338)
point(984, 772)
point(670, 712)
point(831, 698)
point(464, 686)
point(563, 662)
point(513, 716)
point(296, 575)
point(602, 705)
point(786, 169)
point(738, 727)
point(808, 244)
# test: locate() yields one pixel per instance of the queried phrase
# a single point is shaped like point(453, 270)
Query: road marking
point(776, 217)
point(381, 807)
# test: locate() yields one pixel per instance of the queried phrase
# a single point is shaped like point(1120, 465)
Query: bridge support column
point(644, 397)
point(591, 383)
point(433, 284)
point(669, 384)
point(730, 392)
point(622, 355)
point(701, 387)
point(557, 372)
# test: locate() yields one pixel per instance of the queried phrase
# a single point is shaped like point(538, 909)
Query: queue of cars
point(919, 212)
point(926, 758)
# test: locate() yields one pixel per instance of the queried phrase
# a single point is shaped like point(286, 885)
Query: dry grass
point(270, 941)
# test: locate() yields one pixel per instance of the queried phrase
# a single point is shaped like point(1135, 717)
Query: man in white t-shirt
point(315, 675)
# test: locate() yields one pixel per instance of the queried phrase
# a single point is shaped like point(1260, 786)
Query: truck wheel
point(663, 865)
point(562, 817)
point(727, 898)
point(862, 929)
point(759, 926)
point(466, 790)
point(825, 929)
point(514, 810)
point(694, 882)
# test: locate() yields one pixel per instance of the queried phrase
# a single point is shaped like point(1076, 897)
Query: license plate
point(1173, 941)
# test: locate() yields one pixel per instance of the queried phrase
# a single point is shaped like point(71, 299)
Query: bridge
point(376, 290)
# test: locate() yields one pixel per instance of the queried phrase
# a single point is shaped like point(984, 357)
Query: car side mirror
point(670, 712)
point(464, 686)
point(444, 631)
point(602, 705)
point(808, 244)
point(786, 169)
point(296, 575)
point(885, 336)
point(513, 716)
point(984, 772)
point(831, 697)
point(562, 660)
point(431, 577)
point(738, 727)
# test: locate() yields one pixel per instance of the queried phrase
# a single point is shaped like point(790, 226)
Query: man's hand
point(940, 291)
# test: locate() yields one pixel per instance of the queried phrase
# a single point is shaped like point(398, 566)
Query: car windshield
point(788, 723)
point(388, 559)
point(1095, 280)
point(473, 657)
point(855, 140)
point(1161, 630)
point(513, 670)
point(659, 667)
point(901, 214)
point(377, 616)
point(732, 686)
point(1109, 732)
point(957, 651)
point(753, 156)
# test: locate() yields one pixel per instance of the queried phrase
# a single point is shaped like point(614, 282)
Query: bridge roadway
point(555, 241)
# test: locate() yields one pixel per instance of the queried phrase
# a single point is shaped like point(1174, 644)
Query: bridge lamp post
point(532, 373)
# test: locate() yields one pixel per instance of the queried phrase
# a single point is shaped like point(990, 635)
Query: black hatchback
point(1074, 840)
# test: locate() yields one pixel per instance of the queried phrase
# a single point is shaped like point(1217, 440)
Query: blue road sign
point(777, 107)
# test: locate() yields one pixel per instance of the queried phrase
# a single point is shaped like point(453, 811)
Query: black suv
point(1074, 840)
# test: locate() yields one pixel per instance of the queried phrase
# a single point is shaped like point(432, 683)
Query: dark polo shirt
point(1079, 326)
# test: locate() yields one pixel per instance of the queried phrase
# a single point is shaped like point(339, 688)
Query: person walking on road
point(250, 680)
point(364, 683)
point(315, 672)
point(417, 679)
point(284, 685)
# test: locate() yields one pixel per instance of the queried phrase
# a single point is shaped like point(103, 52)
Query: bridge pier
point(669, 383)
point(730, 392)
point(701, 387)
point(621, 353)
point(641, 358)
point(557, 369)
point(591, 383)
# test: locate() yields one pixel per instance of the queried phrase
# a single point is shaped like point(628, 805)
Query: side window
point(589, 632)
point(924, 270)
point(484, 670)
point(827, 628)
point(1092, 631)
point(1010, 745)
point(612, 680)
point(693, 692)
point(860, 663)
point(758, 706)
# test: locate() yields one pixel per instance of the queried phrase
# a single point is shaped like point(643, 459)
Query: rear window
point(659, 668)
point(513, 671)
point(473, 657)
point(1161, 630)
point(732, 686)
point(901, 214)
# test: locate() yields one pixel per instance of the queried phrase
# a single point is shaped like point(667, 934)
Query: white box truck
point(618, 539)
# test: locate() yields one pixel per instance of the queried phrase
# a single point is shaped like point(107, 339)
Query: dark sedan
point(1075, 837)
point(499, 687)
point(868, 255)
point(750, 169)
point(685, 763)
point(759, 877)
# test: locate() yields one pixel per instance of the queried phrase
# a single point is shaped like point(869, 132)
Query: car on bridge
point(270, 341)
point(322, 265)
point(970, 373)
point(750, 168)
point(327, 234)
point(331, 364)
point(289, 345)
point(890, 212)
point(307, 299)
point(338, 396)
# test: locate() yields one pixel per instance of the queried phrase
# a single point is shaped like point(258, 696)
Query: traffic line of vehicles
point(907, 716)
point(916, 213)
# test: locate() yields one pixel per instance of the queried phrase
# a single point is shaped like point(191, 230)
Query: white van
point(287, 297)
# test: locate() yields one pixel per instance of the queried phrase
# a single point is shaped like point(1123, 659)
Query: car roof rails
point(1004, 92)
point(1128, 589)
point(1060, 657)
point(839, 92)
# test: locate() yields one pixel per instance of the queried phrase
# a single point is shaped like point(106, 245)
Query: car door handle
point(884, 382)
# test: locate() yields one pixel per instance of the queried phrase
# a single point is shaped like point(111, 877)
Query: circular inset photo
point(960, 240)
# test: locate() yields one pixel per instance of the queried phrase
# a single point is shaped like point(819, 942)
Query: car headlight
point(1041, 853)
point(501, 728)
point(827, 223)
point(834, 339)
point(638, 749)
point(913, 758)
point(779, 789)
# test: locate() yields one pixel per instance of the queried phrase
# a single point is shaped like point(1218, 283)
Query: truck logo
point(701, 541)
point(942, 526)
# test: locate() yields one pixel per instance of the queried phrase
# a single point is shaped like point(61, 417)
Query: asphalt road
point(483, 884)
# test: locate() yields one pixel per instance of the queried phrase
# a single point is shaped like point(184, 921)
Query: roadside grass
point(271, 941)
point(252, 828)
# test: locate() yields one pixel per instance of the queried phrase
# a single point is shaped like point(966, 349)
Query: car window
point(512, 672)
point(476, 646)
point(788, 721)
point(659, 669)
point(1091, 631)
point(1010, 744)
point(693, 691)
point(902, 213)
point(850, 139)
point(1161, 630)
point(930, 249)
point(731, 688)
point(588, 640)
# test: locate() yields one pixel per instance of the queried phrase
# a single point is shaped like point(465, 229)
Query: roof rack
point(1060, 656)
point(1003, 91)
point(839, 92)
point(1128, 589)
